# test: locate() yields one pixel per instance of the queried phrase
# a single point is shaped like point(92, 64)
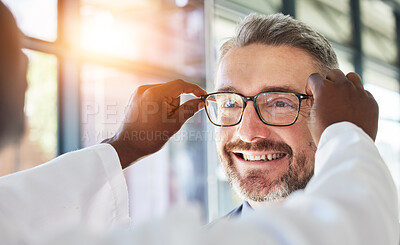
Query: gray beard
point(256, 185)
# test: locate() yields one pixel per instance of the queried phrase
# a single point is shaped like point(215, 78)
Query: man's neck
point(258, 205)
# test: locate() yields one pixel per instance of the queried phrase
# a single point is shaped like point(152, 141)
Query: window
point(378, 31)
point(39, 143)
point(146, 32)
point(331, 18)
point(345, 60)
point(36, 18)
point(129, 44)
point(86, 61)
point(389, 125)
point(260, 6)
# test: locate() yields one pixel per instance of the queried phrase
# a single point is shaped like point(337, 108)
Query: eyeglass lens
point(274, 108)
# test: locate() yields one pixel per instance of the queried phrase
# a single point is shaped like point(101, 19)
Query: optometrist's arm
point(153, 116)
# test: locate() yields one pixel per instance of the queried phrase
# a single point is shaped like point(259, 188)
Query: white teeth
point(267, 157)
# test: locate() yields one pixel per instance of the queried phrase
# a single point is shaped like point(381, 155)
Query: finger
point(355, 79)
point(201, 105)
point(336, 75)
point(369, 94)
point(178, 87)
point(143, 88)
point(314, 82)
point(189, 108)
point(140, 91)
point(175, 102)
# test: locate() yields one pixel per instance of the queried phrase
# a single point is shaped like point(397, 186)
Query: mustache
point(262, 145)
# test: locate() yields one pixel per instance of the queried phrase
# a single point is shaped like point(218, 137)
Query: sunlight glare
point(102, 33)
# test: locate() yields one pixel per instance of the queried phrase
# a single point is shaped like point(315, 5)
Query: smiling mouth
point(264, 158)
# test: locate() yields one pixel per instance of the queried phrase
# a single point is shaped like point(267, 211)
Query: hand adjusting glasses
point(226, 109)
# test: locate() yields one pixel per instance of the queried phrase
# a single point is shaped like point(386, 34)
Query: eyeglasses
point(225, 109)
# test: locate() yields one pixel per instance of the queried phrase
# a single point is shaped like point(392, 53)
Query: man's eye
point(230, 104)
point(281, 104)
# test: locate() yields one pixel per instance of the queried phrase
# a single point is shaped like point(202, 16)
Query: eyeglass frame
point(299, 96)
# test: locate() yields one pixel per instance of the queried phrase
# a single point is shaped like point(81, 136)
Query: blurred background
point(88, 56)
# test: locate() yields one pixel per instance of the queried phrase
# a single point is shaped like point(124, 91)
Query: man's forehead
point(283, 88)
point(258, 68)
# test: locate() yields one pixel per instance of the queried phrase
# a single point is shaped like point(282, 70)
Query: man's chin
point(274, 193)
point(258, 183)
point(258, 188)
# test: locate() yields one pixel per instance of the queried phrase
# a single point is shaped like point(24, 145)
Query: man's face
point(250, 70)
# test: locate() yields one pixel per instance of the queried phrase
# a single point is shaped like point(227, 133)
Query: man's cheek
point(298, 133)
point(222, 136)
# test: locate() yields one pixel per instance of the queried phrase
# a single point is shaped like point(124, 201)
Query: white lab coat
point(350, 200)
point(85, 187)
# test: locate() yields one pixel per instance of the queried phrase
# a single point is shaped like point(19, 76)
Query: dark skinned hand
point(339, 98)
point(153, 116)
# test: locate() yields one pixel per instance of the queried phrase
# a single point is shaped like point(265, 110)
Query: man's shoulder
point(235, 213)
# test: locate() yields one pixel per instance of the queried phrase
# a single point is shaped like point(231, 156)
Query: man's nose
point(251, 128)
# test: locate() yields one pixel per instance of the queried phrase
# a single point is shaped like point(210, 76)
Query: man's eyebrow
point(227, 89)
point(264, 89)
point(279, 89)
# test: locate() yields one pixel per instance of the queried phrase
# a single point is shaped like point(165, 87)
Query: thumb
point(189, 108)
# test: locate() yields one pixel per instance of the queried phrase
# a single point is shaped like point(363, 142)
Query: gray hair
point(279, 29)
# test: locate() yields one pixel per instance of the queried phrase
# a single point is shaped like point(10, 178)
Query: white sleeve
point(85, 187)
point(351, 198)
